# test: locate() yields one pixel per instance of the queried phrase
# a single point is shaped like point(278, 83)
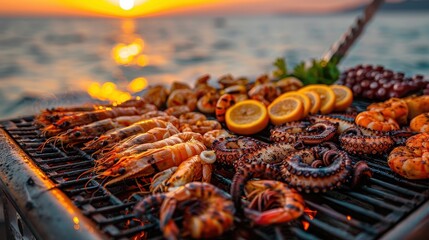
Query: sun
point(126, 4)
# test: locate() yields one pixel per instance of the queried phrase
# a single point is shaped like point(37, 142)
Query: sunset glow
point(147, 8)
point(126, 4)
point(112, 8)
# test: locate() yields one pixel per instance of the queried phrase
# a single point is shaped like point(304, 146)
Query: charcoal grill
point(46, 197)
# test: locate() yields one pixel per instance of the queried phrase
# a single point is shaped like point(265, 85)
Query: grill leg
point(4, 226)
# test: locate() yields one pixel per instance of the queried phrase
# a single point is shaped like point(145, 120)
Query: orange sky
point(144, 8)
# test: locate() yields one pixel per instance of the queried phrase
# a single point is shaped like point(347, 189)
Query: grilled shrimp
point(156, 95)
point(420, 123)
point(195, 168)
point(202, 87)
point(206, 126)
point(113, 156)
point(83, 118)
point(177, 110)
point(176, 85)
point(227, 80)
point(376, 121)
point(49, 116)
point(151, 161)
point(289, 84)
point(272, 202)
point(417, 105)
point(153, 135)
point(152, 114)
point(207, 103)
point(393, 108)
point(411, 161)
point(211, 136)
point(202, 80)
point(169, 119)
point(181, 97)
point(110, 138)
point(82, 133)
point(225, 101)
point(208, 211)
point(93, 130)
point(52, 115)
point(191, 118)
point(266, 92)
point(236, 89)
point(159, 179)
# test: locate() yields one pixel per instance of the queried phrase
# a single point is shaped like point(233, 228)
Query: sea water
point(46, 62)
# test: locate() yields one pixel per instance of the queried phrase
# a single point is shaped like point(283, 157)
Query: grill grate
point(363, 213)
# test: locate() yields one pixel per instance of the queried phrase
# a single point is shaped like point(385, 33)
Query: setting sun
point(126, 4)
point(148, 8)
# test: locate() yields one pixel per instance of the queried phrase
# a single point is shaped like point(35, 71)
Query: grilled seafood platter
point(278, 140)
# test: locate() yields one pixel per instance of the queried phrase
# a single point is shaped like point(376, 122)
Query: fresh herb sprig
point(319, 72)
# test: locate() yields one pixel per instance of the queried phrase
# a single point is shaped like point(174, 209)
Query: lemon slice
point(315, 101)
point(287, 109)
point(343, 97)
point(327, 96)
point(302, 97)
point(247, 117)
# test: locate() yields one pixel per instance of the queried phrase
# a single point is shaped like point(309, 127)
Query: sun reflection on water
point(128, 52)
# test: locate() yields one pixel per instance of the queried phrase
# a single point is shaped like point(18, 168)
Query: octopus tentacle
point(273, 154)
point(321, 149)
point(353, 141)
point(371, 132)
point(325, 131)
point(286, 132)
point(229, 149)
point(317, 164)
point(361, 173)
point(296, 171)
point(342, 124)
point(314, 134)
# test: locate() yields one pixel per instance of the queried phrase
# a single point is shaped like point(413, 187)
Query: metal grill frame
point(44, 202)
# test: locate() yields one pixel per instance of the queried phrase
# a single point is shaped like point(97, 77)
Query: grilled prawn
point(152, 161)
point(208, 211)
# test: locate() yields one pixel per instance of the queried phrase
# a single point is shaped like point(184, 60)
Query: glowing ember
point(349, 218)
point(310, 213)
point(306, 225)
